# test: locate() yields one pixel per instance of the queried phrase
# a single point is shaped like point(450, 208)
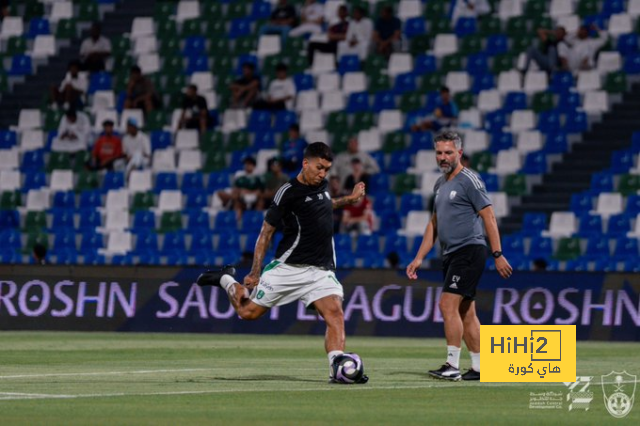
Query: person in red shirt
point(107, 149)
point(358, 218)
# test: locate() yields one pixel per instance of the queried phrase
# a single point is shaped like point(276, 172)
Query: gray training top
point(457, 204)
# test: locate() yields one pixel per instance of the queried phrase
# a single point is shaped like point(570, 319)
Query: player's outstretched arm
point(355, 197)
point(491, 225)
point(264, 239)
point(428, 240)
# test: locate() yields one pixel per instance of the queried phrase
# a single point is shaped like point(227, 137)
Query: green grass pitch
point(176, 379)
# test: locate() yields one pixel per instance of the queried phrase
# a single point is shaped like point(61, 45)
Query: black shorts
point(462, 270)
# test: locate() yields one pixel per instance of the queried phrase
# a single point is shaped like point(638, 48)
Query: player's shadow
point(256, 378)
point(408, 373)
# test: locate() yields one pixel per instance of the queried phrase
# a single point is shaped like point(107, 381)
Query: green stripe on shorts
point(270, 266)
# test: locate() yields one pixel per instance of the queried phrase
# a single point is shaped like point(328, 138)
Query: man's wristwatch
point(496, 254)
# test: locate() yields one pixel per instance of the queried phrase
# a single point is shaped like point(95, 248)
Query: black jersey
point(306, 214)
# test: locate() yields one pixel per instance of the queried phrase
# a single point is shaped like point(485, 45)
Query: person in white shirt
point(469, 9)
point(342, 163)
point(94, 50)
point(281, 92)
point(74, 133)
point(137, 147)
point(72, 89)
point(578, 52)
point(359, 35)
point(312, 16)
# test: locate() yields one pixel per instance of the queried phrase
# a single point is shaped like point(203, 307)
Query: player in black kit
point(305, 258)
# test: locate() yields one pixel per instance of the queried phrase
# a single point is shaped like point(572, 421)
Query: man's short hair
point(136, 69)
point(281, 67)
point(249, 65)
point(448, 136)
point(249, 159)
point(444, 89)
point(107, 123)
point(193, 86)
point(318, 150)
point(294, 126)
point(71, 112)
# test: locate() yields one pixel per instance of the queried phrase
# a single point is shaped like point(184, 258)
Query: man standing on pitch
point(461, 201)
point(305, 257)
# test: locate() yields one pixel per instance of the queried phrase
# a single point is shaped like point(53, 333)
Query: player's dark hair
point(136, 69)
point(318, 150)
point(448, 136)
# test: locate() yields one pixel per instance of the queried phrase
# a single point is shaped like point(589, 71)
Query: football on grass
point(348, 368)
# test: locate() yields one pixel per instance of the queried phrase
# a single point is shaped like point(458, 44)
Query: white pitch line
point(103, 373)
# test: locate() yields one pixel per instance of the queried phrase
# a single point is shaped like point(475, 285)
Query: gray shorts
point(281, 283)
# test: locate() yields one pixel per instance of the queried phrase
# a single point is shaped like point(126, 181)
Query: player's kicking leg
point(453, 330)
point(471, 336)
point(238, 294)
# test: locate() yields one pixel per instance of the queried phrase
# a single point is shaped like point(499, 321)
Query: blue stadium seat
point(237, 157)
point(358, 102)
point(21, 66)
point(535, 163)
point(35, 180)
point(198, 221)
point(259, 121)
point(633, 205)
point(146, 242)
point(144, 221)
point(590, 226)
point(597, 247)
point(601, 182)
point(196, 200)
point(482, 82)
point(264, 139)
point(122, 260)
point(478, 64)
point(425, 64)
point(631, 266)
point(609, 7)
point(160, 139)
point(201, 241)
point(90, 242)
point(390, 220)
point(627, 44)
point(626, 249)
point(166, 181)
point(348, 63)
point(240, 27)
point(62, 220)
point(260, 9)
point(194, 46)
point(176, 258)
point(252, 221)
point(405, 83)
point(513, 244)
point(576, 122)
point(9, 219)
point(605, 265)
point(556, 143)
point(198, 63)
point(371, 260)
point(384, 202)
point(540, 247)
point(173, 242)
point(283, 120)
point(66, 257)
point(533, 224)
point(577, 265)
point(90, 219)
point(64, 200)
point(367, 244)
point(569, 102)
point(497, 44)
point(32, 161)
point(9, 256)
point(304, 82)
point(621, 161)
point(410, 202)
point(203, 258)
point(415, 27)
point(515, 101)
point(421, 141)
point(395, 243)
point(632, 64)
point(226, 220)
point(581, 204)
point(192, 181)
point(228, 241)
point(100, 81)
point(93, 259)
point(491, 182)
point(495, 121)
point(150, 258)
point(561, 81)
point(342, 243)
point(399, 162)
point(378, 184)
point(249, 241)
point(11, 239)
point(38, 26)
point(8, 139)
point(64, 240)
point(218, 180)
point(384, 99)
point(112, 180)
point(465, 27)
point(90, 199)
point(549, 121)
point(500, 141)
point(618, 225)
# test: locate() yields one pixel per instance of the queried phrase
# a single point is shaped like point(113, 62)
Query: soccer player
point(305, 257)
point(461, 206)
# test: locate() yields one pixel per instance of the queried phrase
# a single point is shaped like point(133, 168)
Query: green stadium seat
point(411, 102)
point(419, 44)
point(337, 122)
point(52, 119)
point(542, 101)
point(379, 82)
point(293, 46)
point(80, 161)
point(35, 221)
point(4, 82)
point(32, 9)
point(536, 8)
point(245, 45)
point(374, 65)
point(340, 142)
point(10, 200)
point(16, 45)
point(238, 141)
point(568, 249)
point(541, 22)
point(142, 201)
point(298, 64)
point(404, 183)
point(236, 9)
point(58, 161)
point(481, 161)
point(212, 10)
point(521, 43)
point(86, 181)
point(170, 222)
point(167, 30)
point(439, 26)
point(503, 62)
point(451, 63)
point(431, 82)
point(174, 82)
point(120, 46)
point(515, 185)
point(616, 82)
point(215, 161)
point(516, 26)
point(393, 142)
point(164, 10)
point(192, 27)
point(587, 8)
point(156, 120)
point(470, 44)
point(34, 238)
point(464, 100)
point(363, 121)
point(169, 46)
point(88, 11)
point(216, 28)
point(212, 141)
point(218, 46)
point(629, 184)
point(436, 10)
point(490, 25)
point(66, 29)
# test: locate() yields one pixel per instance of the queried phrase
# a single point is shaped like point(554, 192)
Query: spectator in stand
point(387, 36)
point(107, 149)
point(336, 33)
point(283, 18)
point(579, 51)
point(292, 151)
point(342, 163)
point(311, 18)
point(546, 56)
point(244, 90)
point(71, 90)
point(465, 161)
point(444, 115)
point(247, 187)
point(39, 254)
point(469, 9)
point(281, 92)
point(195, 114)
point(141, 93)
point(358, 38)
point(73, 132)
point(335, 190)
point(358, 218)
point(274, 178)
point(137, 147)
point(95, 49)
point(357, 175)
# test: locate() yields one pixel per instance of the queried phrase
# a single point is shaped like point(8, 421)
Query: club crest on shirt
point(320, 197)
point(452, 195)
